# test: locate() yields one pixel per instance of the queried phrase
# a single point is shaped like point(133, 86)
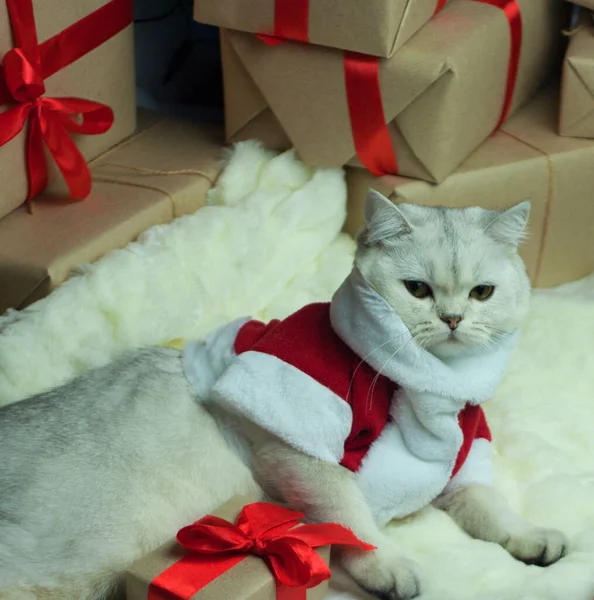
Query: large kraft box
point(526, 160)
point(104, 75)
point(163, 172)
point(249, 579)
point(378, 28)
point(577, 89)
point(443, 92)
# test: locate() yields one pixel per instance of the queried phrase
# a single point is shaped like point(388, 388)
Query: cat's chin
point(452, 347)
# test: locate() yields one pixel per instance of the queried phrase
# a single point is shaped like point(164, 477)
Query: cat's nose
point(452, 321)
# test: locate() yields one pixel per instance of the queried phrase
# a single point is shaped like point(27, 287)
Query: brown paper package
point(104, 75)
point(526, 160)
point(379, 29)
point(249, 580)
point(577, 89)
point(39, 250)
point(443, 91)
point(586, 3)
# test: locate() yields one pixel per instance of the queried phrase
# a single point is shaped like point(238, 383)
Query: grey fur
point(100, 471)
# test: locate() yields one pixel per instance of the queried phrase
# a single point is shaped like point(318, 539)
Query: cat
point(100, 471)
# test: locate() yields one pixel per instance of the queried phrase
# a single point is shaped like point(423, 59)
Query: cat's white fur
point(102, 470)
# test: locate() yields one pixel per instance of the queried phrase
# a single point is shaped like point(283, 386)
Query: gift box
point(162, 172)
point(441, 94)
point(576, 116)
point(379, 29)
point(525, 160)
point(66, 92)
point(257, 551)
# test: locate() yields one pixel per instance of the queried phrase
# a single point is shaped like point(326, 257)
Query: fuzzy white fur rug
point(269, 244)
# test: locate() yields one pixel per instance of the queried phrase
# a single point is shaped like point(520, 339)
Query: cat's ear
point(509, 226)
point(383, 220)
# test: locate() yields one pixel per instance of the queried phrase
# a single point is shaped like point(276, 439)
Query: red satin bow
point(51, 121)
point(265, 530)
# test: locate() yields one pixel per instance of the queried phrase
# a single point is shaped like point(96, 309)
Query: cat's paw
point(538, 546)
point(384, 575)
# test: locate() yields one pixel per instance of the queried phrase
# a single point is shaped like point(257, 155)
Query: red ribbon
point(264, 530)
point(51, 121)
point(513, 15)
point(440, 4)
point(291, 20)
point(366, 110)
point(370, 131)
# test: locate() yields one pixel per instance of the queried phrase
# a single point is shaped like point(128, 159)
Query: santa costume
point(345, 382)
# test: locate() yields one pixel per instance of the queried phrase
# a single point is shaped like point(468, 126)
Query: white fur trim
point(396, 482)
point(287, 403)
point(477, 468)
point(206, 360)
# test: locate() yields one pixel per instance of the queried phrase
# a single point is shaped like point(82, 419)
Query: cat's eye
point(418, 289)
point(482, 292)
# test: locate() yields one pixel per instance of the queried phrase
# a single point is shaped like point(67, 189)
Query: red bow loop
point(294, 562)
point(23, 81)
point(213, 535)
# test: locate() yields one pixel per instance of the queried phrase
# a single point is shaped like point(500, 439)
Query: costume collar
point(369, 326)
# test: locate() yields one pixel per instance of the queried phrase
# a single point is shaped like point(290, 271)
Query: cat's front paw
point(384, 574)
point(538, 546)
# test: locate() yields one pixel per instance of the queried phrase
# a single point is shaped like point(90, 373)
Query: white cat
point(355, 412)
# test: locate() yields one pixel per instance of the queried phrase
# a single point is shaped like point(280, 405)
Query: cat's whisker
point(369, 401)
point(364, 359)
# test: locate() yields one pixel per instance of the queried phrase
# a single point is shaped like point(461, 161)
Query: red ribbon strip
point(366, 110)
point(440, 4)
point(513, 15)
point(371, 135)
point(51, 121)
point(264, 530)
point(291, 20)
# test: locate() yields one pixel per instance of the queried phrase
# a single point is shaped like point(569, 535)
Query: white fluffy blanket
point(269, 244)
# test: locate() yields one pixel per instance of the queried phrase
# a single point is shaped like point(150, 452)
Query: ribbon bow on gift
point(264, 530)
point(52, 120)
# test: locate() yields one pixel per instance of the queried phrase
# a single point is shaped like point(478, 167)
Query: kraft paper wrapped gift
point(180, 571)
point(442, 94)
point(577, 89)
point(378, 28)
point(526, 160)
point(161, 173)
point(85, 52)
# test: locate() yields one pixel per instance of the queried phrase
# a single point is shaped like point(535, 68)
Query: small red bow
point(51, 120)
point(265, 530)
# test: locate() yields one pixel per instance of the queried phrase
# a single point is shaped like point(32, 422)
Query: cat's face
point(452, 275)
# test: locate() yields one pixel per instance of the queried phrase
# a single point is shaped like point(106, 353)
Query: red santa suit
point(345, 383)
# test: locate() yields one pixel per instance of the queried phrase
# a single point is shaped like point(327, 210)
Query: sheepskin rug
point(270, 242)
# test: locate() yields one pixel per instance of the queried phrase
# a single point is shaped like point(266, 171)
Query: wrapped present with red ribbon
point(526, 158)
point(66, 92)
point(162, 172)
point(376, 27)
point(419, 113)
point(257, 551)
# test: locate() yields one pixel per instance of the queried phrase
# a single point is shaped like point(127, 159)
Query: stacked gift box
point(434, 102)
point(82, 173)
